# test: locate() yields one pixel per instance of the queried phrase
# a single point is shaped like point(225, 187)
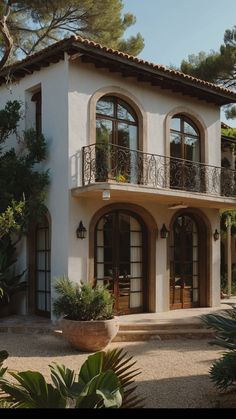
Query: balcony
point(114, 165)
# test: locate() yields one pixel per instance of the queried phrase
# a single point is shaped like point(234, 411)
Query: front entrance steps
point(174, 324)
point(141, 332)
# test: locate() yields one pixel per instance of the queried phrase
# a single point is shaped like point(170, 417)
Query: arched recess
point(190, 260)
point(39, 266)
point(197, 120)
point(151, 235)
point(131, 100)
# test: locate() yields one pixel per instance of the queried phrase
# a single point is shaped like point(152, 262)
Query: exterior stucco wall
point(84, 209)
point(86, 81)
point(54, 86)
point(67, 92)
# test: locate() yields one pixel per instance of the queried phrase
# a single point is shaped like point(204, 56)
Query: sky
point(174, 29)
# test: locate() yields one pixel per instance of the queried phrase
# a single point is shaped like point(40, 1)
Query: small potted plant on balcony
point(88, 322)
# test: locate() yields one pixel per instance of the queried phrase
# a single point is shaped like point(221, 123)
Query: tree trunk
point(8, 40)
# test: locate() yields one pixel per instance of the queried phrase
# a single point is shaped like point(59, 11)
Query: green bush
point(223, 371)
point(82, 302)
point(105, 380)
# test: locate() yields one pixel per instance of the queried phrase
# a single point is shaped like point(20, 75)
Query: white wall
point(85, 208)
point(157, 103)
point(84, 81)
point(66, 93)
point(54, 86)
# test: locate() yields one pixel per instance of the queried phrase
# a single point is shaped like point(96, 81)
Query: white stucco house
point(135, 160)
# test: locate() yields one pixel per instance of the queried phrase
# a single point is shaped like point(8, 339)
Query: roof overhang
point(121, 63)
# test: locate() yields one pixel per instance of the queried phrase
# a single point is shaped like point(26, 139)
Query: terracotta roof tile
point(67, 42)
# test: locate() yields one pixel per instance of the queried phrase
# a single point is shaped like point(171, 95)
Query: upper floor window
point(116, 123)
point(37, 98)
point(184, 139)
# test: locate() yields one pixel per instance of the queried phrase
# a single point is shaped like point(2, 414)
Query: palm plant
point(223, 371)
point(82, 302)
point(104, 380)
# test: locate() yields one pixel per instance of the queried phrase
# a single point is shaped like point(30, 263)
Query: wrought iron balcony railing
point(109, 162)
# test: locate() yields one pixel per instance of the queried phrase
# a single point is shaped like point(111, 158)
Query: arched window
point(116, 140)
point(184, 139)
point(186, 172)
point(117, 123)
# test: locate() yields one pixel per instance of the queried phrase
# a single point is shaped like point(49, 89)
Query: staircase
point(134, 332)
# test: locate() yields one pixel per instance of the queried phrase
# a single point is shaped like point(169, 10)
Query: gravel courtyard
point(174, 373)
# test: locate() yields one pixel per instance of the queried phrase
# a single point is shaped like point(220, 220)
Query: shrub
point(82, 302)
point(223, 371)
point(104, 380)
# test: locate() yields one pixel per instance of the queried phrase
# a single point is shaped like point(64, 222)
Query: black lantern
point(216, 235)
point(81, 231)
point(164, 232)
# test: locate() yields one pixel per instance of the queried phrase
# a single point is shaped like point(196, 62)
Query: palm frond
point(117, 361)
point(224, 324)
point(223, 371)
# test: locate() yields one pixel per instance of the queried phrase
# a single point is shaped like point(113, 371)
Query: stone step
point(160, 326)
point(143, 335)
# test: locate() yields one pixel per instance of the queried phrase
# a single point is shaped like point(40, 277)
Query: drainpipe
point(229, 258)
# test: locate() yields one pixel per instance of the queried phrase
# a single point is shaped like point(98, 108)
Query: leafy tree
point(29, 25)
point(229, 132)
point(22, 187)
point(217, 66)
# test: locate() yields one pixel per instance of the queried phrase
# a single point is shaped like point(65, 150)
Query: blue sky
point(173, 29)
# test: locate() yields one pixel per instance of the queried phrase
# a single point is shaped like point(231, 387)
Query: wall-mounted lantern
point(164, 232)
point(81, 231)
point(216, 234)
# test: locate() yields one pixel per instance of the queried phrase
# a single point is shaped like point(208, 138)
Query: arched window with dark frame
point(116, 140)
point(186, 172)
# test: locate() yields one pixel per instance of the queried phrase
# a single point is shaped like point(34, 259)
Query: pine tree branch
point(8, 40)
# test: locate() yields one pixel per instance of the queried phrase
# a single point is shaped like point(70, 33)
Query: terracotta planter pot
point(93, 335)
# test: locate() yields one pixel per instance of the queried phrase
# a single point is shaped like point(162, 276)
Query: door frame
point(116, 259)
point(204, 260)
point(31, 254)
point(151, 229)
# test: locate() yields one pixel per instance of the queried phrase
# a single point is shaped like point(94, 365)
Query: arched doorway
point(120, 259)
point(188, 270)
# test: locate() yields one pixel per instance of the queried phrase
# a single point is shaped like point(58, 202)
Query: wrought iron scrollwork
point(109, 162)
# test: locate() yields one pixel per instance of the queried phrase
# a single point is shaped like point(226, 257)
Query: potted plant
point(88, 322)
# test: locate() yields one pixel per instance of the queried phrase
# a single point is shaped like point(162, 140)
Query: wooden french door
point(43, 268)
point(120, 259)
point(184, 263)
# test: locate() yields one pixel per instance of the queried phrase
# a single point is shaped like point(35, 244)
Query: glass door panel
point(184, 281)
point(119, 260)
point(43, 269)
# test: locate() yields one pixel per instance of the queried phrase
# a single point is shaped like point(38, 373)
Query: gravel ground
point(174, 373)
